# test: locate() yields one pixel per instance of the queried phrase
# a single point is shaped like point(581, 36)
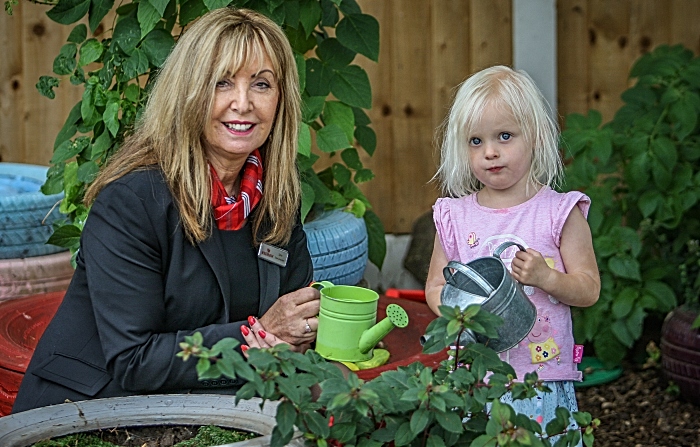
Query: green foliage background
point(117, 67)
point(642, 172)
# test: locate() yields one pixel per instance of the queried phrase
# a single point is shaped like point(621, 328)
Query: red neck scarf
point(230, 213)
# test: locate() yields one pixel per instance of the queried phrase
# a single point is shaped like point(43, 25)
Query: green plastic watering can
point(347, 322)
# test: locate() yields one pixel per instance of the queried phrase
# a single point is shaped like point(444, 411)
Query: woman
point(194, 226)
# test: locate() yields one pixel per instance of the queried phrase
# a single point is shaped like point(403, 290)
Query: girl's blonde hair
point(170, 133)
point(511, 91)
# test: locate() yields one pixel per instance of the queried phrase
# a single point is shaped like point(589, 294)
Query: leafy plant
point(412, 405)
point(642, 172)
point(117, 66)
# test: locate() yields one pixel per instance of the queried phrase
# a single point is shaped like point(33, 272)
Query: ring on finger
point(307, 328)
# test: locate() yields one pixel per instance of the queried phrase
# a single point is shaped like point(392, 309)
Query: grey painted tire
point(27, 427)
point(26, 214)
point(338, 245)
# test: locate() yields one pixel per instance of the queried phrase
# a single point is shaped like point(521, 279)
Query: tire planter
point(22, 322)
point(38, 274)
point(25, 428)
point(338, 245)
point(680, 352)
point(26, 214)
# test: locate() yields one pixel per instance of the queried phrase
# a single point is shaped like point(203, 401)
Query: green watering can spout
point(396, 317)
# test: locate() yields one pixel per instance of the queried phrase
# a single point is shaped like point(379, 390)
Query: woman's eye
point(261, 85)
point(505, 136)
point(475, 141)
point(222, 84)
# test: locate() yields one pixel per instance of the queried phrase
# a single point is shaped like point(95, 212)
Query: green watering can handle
point(318, 285)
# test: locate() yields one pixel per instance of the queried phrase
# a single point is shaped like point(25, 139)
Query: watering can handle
point(501, 248)
point(470, 272)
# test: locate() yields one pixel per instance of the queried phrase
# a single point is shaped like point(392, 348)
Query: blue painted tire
point(26, 214)
point(337, 242)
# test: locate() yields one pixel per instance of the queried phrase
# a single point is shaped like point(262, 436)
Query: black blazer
point(139, 288)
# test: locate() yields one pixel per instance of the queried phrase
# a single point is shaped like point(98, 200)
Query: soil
point(639, 410)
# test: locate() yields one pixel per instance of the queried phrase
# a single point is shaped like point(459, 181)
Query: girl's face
point(499, 156)
point(245, 104)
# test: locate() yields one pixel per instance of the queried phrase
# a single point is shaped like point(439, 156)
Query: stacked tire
point(33, 275)
point(338, 244)
point(27, 264)
point(22, 323)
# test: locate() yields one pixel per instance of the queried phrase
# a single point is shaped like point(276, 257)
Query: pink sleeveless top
point(468, 231)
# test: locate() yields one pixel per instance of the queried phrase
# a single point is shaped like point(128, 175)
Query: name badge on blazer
point(273, 254)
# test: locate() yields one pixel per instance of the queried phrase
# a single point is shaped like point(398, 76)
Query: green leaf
point(69, 127)
point(304, 140)
point(663, 293)
point(376, 239)
point(312, 106)
point(157, 46)
point(68, 11)
point(317, 424)
point(351, 86)
point(148, 16)
point(286, 415)
point(88, 171)
point(625, 266)
point(619, 328)
point(450, 421)
point(78, 34)
point(127, 33)
point(65, 236)
point(337, 113)
point(308, 197)
point(366, 138)
point(191, 10)
point(309, 15)
point(64, 63)
point(216, 4)
point(46, 85)
point(136, 64)
point(624, 303)
point(90, 51)
point(318, 78)
point(67, 150)
point(404, 435)
point(341, 174)
point(331, 138)
point(111, 117)
point(351, 158)
point(360, 33)
point(363, 175)
point(333, 53)
point(665, 152)
point(98, 11)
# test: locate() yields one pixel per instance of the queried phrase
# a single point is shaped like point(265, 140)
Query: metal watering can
point(487, 281)
point(347, 322)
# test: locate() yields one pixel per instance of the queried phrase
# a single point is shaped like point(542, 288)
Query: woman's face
point(244, 110)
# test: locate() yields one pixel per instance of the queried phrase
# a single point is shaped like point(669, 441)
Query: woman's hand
point(257, 337)
point(293, 317)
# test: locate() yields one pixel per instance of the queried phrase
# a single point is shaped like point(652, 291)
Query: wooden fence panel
point(427, 48)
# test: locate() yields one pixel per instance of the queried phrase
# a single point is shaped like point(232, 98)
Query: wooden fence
point(427, 48)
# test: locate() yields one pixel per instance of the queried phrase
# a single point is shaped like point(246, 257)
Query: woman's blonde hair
point(170, 133)
point(509, 90)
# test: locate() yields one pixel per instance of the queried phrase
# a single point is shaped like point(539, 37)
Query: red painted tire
point(38, 274)
point(22, 323)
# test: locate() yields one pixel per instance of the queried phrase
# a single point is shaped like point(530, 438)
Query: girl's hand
point(293, 317)
point(529, 268)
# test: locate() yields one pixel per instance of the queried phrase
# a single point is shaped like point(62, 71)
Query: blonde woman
point(194, 226)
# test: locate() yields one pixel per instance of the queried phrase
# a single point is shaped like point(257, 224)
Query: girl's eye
point(505, 136)
point(475, 141)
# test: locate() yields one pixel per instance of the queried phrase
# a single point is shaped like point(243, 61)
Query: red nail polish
point(251, 320)
point(262, 334)
point(245, 331)
point(244, 348)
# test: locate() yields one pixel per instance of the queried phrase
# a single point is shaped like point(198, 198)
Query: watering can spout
point(396, 317)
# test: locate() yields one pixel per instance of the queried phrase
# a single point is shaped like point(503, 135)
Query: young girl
point(499, 162)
